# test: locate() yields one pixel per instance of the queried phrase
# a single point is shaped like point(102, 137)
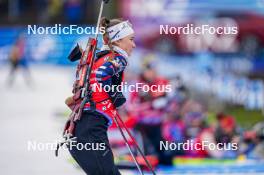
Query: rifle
point(81, 87)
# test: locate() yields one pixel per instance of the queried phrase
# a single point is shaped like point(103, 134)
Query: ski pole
point(128, 146)
point(134, 141)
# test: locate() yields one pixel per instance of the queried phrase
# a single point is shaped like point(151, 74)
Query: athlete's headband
point(119, 31)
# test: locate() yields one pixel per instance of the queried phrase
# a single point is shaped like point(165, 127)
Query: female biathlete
point(97, 116)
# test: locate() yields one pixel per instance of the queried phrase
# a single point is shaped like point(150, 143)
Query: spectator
point(18, 60)
point(148, 107)
point(253, 145)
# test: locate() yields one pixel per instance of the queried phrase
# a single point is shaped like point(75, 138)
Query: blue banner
point(41, 48)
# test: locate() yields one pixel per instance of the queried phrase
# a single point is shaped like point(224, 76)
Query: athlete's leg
point(92, 131)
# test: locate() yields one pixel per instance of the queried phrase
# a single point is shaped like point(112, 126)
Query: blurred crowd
point(176, 117)
point(48, 11)
point(70, 8)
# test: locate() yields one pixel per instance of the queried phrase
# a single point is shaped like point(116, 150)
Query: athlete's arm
point(105, 73)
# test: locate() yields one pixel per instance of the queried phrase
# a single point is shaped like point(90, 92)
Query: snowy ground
point(27, 115)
